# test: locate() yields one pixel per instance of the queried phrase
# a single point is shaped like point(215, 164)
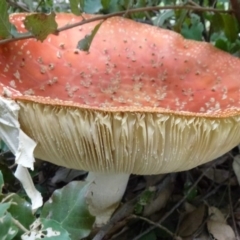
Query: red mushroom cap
point(142, 100)
point(130, 66)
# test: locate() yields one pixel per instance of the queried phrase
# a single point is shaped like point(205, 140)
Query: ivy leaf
point(5, 25)
point(85, 43)
point(68, 207)
point(41, 25)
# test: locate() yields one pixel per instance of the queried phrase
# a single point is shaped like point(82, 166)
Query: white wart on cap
point(143, 100)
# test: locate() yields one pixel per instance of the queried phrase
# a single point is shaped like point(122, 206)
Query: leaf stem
point(19, 225)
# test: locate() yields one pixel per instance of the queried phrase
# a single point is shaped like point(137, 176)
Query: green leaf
point(3, 146)
point(5, 25)
point(20, 209)
point(46, 229)
point(1, 181)
point(29, 4)
point(191, 194)
point(149, 236)
point(221, 44)
point(8, 229)
point(115, 6)
point(75, 7)
point(161, 18)
point(9, 178)
point(3, 208)
point(105, 4)
point(50, 226)
point(41, 25)
point(92, 6)
point(230, 27)
point(180, 16)
point(145, 198)
point(85, 43)
point(68, 207)
point(193, 29)
point(217, 22)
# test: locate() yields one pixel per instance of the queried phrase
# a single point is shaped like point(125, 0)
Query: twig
point(231, 210)
point(193, 3)
point(18, 5)
point(236, 6)
point(123, 212)
point(129, 11)
point(7, 197)
point(126, 210)
point(155, 224)
point(19, 225)
point(39, 4)
point(174, 207)
point(213, 191)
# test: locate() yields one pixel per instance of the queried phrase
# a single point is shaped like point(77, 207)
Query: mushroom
point(142, 100)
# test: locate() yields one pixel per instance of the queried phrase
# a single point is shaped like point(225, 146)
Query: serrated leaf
point(1, 181)
point(5, 25)
point(85, 43)
point(75, 7)
point(8, 229)
point(41, 25)
point(46, 229)
point(68, 207)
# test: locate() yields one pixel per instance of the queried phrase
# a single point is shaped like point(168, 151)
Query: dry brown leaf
point(189, 207)
point(217, 225)
point(236, 167)
point(220, 231)
point(216, 215)
point(192, 222)
point(160, 201)
point(151, 180)
point(66, 175)
point(203, 236)
point(237, 216)
point(217, 175)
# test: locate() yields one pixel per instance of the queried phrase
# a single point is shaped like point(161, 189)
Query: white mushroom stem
point(104, 194)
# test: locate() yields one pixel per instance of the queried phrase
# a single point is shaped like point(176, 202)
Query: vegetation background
point(202, 203)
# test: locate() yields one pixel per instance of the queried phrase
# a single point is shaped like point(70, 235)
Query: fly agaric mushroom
point(142, 100)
